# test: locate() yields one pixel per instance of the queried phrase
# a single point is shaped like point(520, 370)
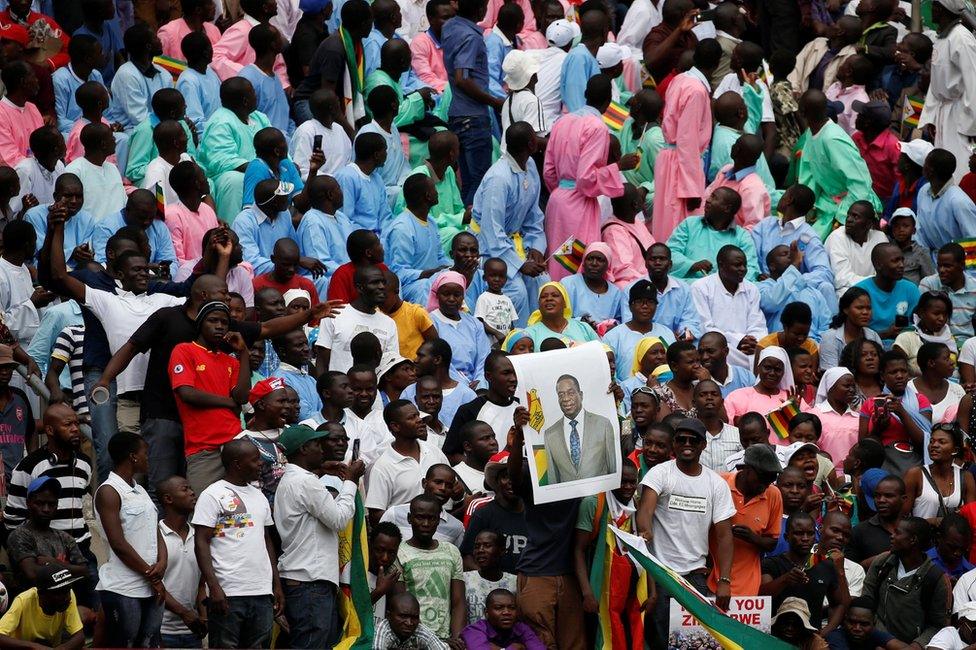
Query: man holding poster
point(580, 444)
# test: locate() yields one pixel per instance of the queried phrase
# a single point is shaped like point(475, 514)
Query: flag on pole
point(173, 66)
point(160, 203)
point(355, 605)
point(780, 418)
point(570, 254)
point(731, 634)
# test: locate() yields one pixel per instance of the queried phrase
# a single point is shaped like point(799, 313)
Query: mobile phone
point(705, 16)
point(317, 143)
point(355, 449)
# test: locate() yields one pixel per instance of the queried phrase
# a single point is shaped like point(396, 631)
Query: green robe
point(412, 106)
point(226, 145)
point(142, 149)
point(694, 240)
point(649, 143)
point(831, 166)
point(449, 211)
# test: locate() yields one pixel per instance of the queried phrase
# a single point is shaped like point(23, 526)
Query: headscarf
point(598, 247)
point(513, 338)
point(641, 349)
point(536, 316)
point(776, 352)
point(831, 377)
point(292, 294)
point(446, 277)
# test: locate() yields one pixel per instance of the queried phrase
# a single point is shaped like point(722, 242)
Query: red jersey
point(193, 365)
point(341, 286)
point(296, 282)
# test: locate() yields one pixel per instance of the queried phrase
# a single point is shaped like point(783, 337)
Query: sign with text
point(686, 633)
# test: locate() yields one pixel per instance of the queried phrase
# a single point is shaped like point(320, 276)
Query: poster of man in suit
point(573, 437)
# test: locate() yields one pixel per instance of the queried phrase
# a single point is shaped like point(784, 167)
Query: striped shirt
point(69, 348)
point(963, 305)
point(720, 447)
point(74, 477)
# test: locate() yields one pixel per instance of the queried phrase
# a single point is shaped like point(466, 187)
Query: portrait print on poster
point(573, 436)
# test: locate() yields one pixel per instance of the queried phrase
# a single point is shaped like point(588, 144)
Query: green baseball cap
point(293, 437)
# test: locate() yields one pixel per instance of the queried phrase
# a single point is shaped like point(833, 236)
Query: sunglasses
point(687, 440)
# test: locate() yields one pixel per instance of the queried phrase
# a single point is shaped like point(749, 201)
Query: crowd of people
point(265, 265)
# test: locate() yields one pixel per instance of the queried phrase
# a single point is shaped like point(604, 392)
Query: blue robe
point(364, 198)
point(578, 66)
point(372, 46)
point(396, 168)
point(258, 235)
point(624, 341)
point(675, 309)
point(413, 247)
point(258, 170)
point(272, 100)
point(160, 241)
point(793, 286)
point(947, 218)
point(469, 343)
point(66, 82)
point(309, 401)
point(462, 394)
point(497, 49)
point(598, 307)
point(202, 95)
point(132, 93)
point(323, 236)
point(77, 230)
point(768, 234)
point(505, 204)
point(111, 41)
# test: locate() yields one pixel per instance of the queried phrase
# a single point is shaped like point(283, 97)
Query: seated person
point(414, 241)
point(622, 338)
point(500, 627)
point(140, 211)
point(850, 247)
point(401, 628)
point(893, 298)
point(741, 176)
point(45, 614)
point(591, 289)
point(784, 286)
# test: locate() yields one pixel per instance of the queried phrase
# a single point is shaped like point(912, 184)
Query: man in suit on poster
point(581, 444)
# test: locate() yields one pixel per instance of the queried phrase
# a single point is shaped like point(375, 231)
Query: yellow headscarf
point(536, 316)
point(641, 349)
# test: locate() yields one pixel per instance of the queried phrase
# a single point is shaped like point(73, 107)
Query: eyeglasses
point(687, 440)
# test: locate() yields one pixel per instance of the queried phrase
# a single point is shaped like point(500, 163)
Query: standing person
point(20, 116)
point(466, 62)
point(950, 88)
point(131, 581)
point(182, 625)
point(309, 520)
point(872, 537)
point(504, 513)
point(679, 178)
point(496, 407)
point(944, 212)
point(580, 65)
point(232, 524)
point(723, 438)
point(681, 537)
point(940, 488)
point(576, 172)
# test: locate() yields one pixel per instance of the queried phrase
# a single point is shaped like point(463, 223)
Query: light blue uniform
point(578, 66)
point(497, 49)
point(160, 241)
point(396, 168)
point(66, 82)
point(54, 319)
point(945, 218)
point(323, 237)
point(598, 307)
point(364, 198)
point(258, 235)
point(507, 203)
point(793, 286)
point(77, 230)
point(111, 41)
point(413, 247)
point(372, 48)
point(202, 95)
point(272, 100)
point(132, 92)
point(739, 377)
point(258, 170)
point(309, 401)
point(770, 233)
point(469, 343)
point(624, 341)
point(675, 309)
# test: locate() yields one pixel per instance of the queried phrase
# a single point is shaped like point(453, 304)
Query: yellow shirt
point(809, 345)
point(26, 621)
point(411, 320)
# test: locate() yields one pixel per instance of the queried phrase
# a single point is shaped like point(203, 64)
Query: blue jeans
point(247, 624)
point(301, 112)
point(474, 132)
point(657, 634)
point(104, 422)
point(312, 612)
point(131, 622)
point(181, 641)
point(165, 440)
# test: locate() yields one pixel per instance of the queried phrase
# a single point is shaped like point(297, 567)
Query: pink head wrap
point(446, 277)
point(599, 247)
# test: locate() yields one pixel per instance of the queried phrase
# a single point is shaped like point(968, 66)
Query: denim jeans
point(104, 422)
point(131, 622)
point(474, 132)
point(181, 641)
point(300, 112)
point(85, 593)
point(165, 440)
point(247, 624)
point(312, 612)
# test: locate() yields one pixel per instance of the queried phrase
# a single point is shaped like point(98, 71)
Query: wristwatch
point(725, 580)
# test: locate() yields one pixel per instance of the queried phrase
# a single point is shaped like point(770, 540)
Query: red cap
point(265, 387)
point(14, 32)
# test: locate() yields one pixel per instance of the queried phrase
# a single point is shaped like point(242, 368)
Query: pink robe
point(576, 172)
point(755, 196)
point(73, 149)
point(232, 53)
point(187, 229)
point(427, 60)
point(16, 126)
point(172, 33)
point(628, 243)
point(678, 170)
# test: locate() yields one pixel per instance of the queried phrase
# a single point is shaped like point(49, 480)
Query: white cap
point(519, 67)
point(917, 150)
point(903, 212)
point(610, 54)
point(562, 32)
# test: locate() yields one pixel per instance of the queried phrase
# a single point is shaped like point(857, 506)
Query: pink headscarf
point(446, 277)
point(599, 247)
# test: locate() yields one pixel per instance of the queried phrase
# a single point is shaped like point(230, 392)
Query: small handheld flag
point(570, 254)
point(173, 66)
point(780, 418)
point(615, 116)
point(969, 247)
point(160, 203)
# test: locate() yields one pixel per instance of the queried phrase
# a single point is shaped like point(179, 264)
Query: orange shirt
point(764, 516)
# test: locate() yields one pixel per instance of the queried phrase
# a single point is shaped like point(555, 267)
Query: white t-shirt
point(964, 591)
point(473, 479)
point(497, 310)
point(335, 334)
point(947, 639)
point(953, 396)
point(335, 145)
point(238, 514)
point(524, 106)
point(687, 507)
point(182, 579)
point(967, 354)
point(547, 89)
point(476, 590)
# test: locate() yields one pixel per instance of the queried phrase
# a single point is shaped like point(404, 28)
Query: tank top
point(927, 504)
point(137, 514)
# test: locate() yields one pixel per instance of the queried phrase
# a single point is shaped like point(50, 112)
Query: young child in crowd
point(494, 309)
